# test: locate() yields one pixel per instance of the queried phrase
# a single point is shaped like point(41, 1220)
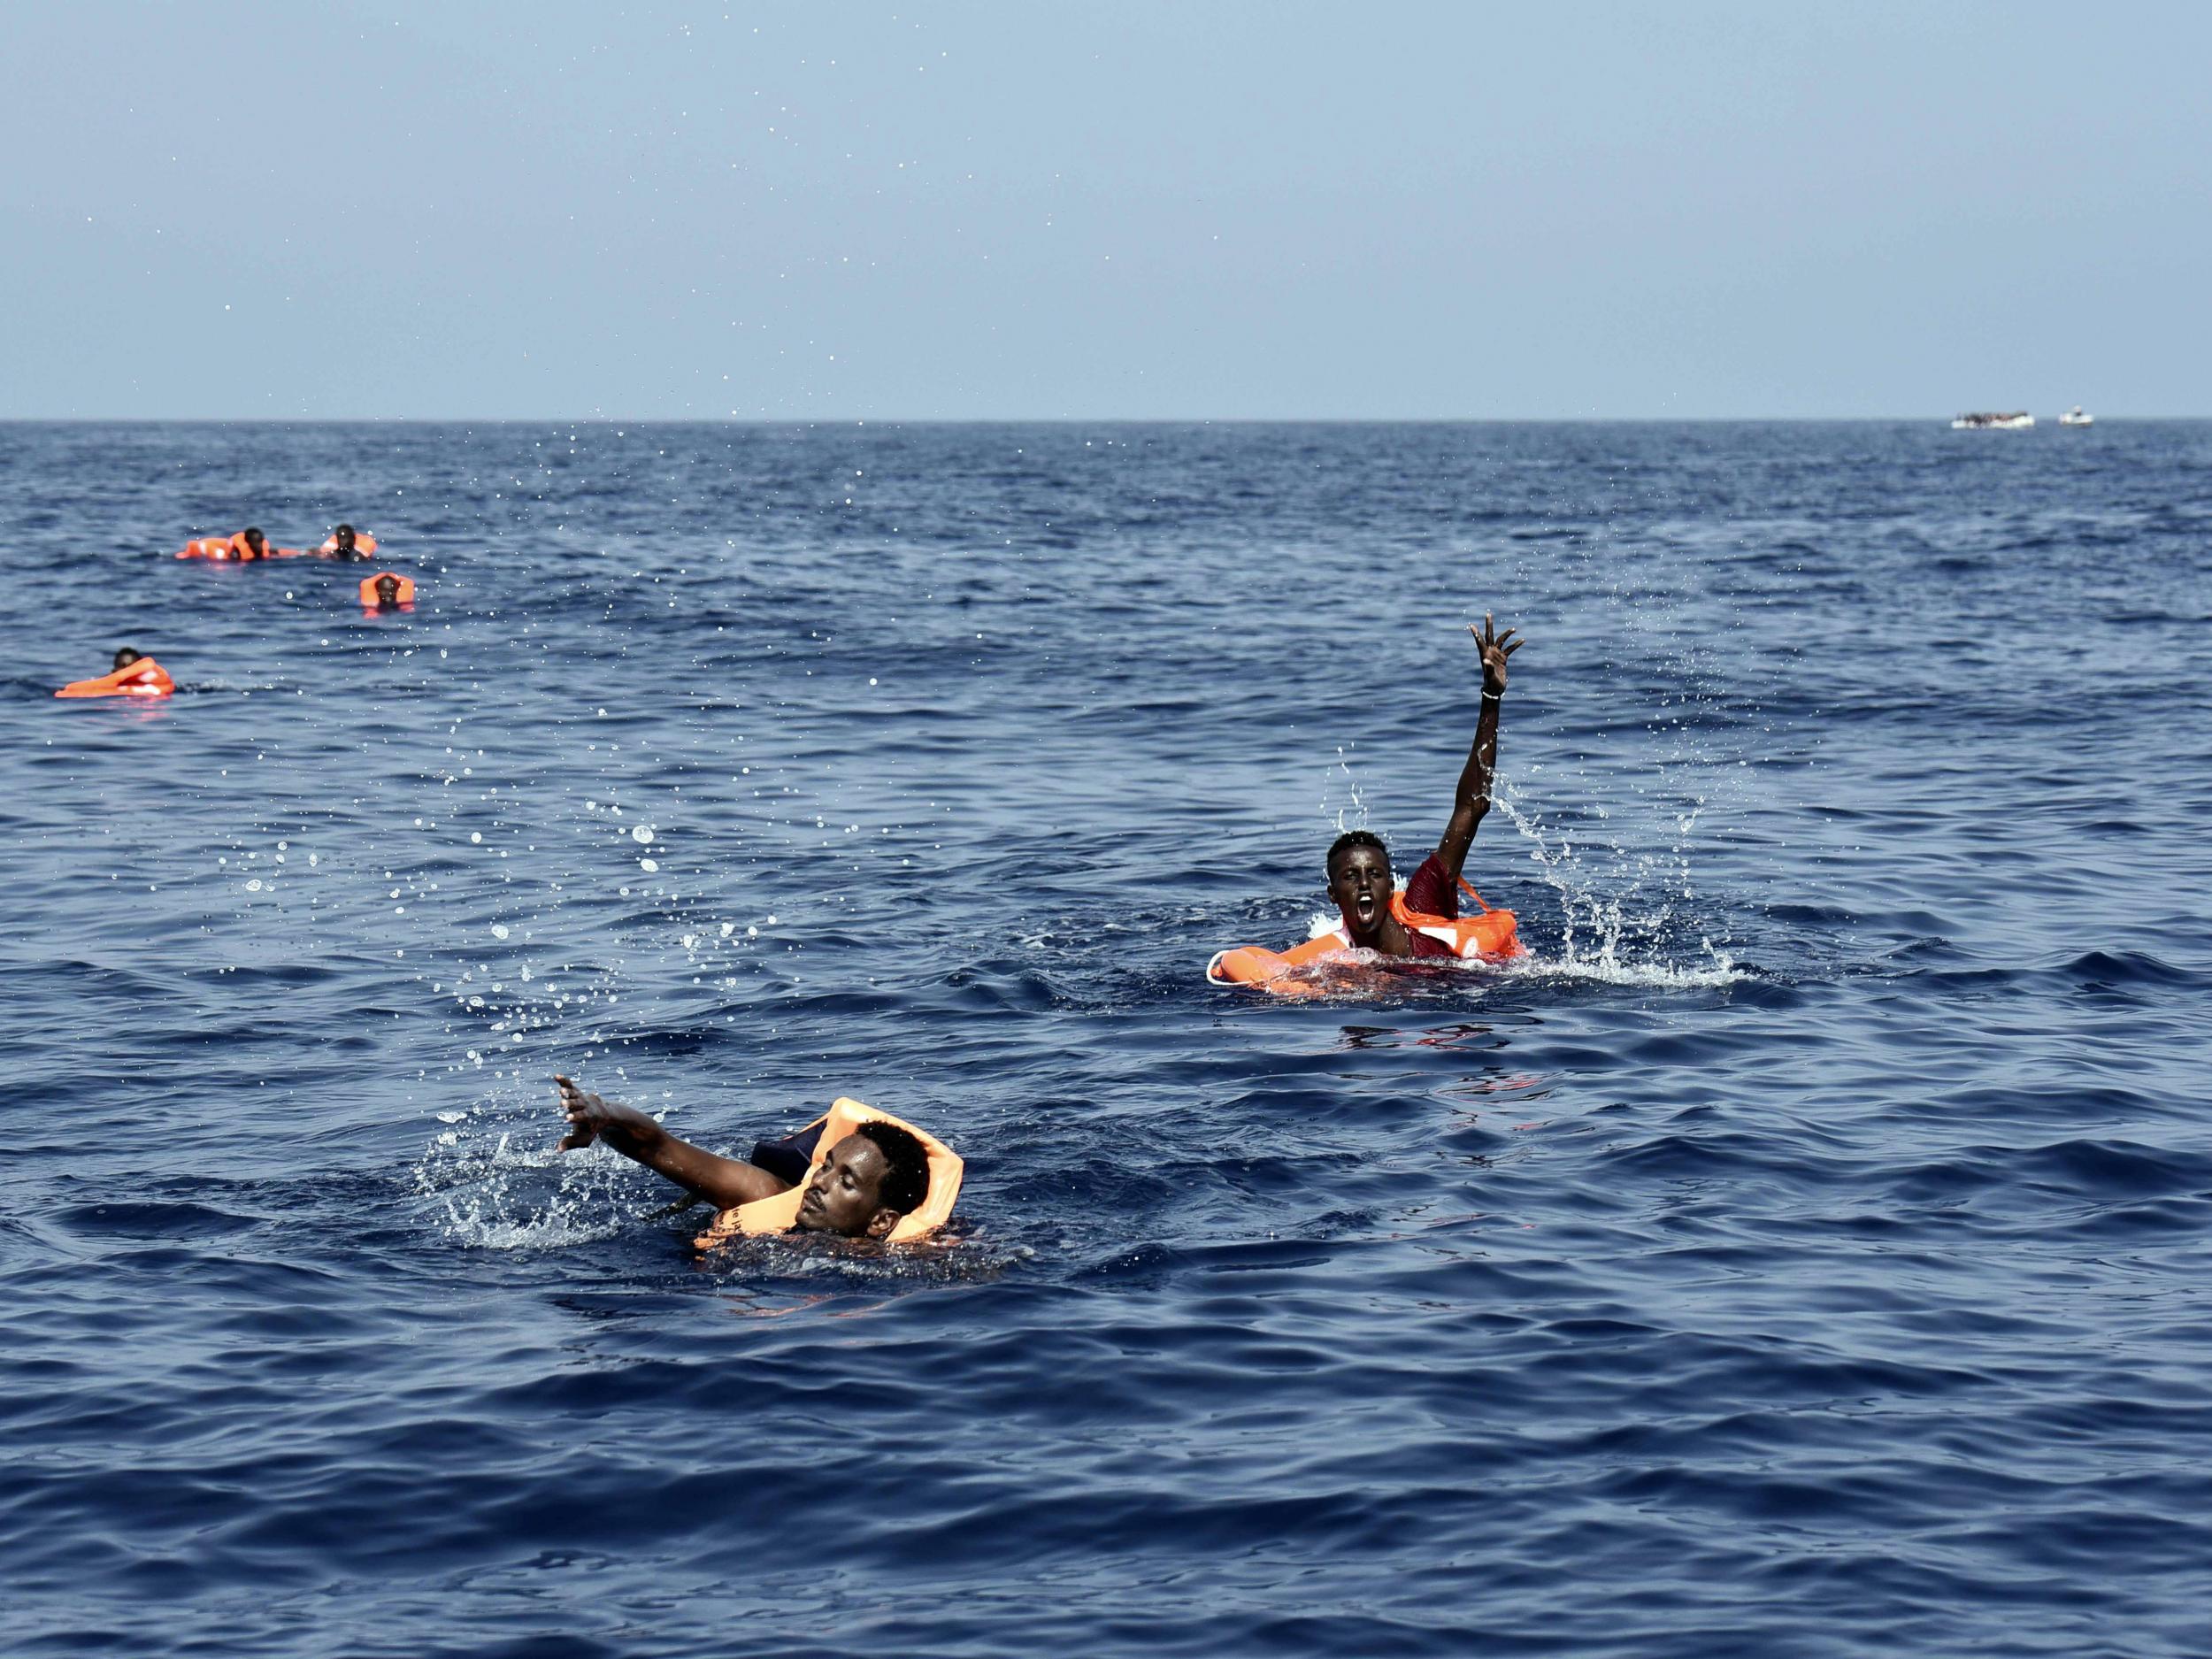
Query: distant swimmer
point(249, 543)
point(386, 591)
point(135, 675)
point(344, 543)
point(1424, 920)
point(863, 1174)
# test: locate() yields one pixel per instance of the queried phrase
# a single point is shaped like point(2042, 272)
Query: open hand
point(588, 1115)
point(1495, 648)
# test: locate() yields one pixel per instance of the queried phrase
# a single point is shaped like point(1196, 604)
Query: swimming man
point(868, 1180)
point(1359, 878)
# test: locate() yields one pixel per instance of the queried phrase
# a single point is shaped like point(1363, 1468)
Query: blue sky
point(1030, 210)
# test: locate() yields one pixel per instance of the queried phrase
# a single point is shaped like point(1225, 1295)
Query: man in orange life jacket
point(870, 1179)
point(1359, 878)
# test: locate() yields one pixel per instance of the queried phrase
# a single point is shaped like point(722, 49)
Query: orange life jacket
point(362, 544)
point(144, 678)
point(1491, 934)
point(1487, 933)
point(779, 1213)
point(368, 589)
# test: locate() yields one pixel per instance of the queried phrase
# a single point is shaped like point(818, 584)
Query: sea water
point(1803, 1251)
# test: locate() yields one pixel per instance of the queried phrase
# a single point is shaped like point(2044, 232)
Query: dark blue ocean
point(1803, 1252)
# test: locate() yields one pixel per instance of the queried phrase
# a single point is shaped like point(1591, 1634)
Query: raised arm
point(1472, 800)
point(722, 1181)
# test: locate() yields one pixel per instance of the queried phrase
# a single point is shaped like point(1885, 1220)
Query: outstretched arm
point(719, 1181)
point(1473, 799)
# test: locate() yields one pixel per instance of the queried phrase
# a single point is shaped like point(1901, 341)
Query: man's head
point(387, 589)
point(256, 546)
point(870, 1179)
point(1360, 883)
point(343, 536)
point(124, 657)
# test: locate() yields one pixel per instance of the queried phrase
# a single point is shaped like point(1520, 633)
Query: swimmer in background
point(345, 544)
point(247, 544)
point(1360, 877)
point(869, 1179)
point(134, 674)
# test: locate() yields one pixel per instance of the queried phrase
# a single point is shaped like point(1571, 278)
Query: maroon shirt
point(1431, 892)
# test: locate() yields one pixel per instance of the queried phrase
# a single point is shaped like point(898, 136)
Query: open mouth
point(1363, 906)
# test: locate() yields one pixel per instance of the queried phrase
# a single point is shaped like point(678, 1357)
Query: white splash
point(1358, 808)
point(1616, 922)
point(495, 1194)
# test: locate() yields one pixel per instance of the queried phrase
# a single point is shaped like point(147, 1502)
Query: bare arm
point(1472, 800)
point(719, 1181)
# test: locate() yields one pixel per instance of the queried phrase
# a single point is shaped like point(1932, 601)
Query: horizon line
point(1013, 421)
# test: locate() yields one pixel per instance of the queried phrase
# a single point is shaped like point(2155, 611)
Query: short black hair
point(343, 529)
point(124, 657)
point(906, 1182)
point(252, 532)
point(1350, 839)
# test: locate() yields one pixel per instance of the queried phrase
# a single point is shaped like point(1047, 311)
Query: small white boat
point(2016, 420)
point(2074, 417)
